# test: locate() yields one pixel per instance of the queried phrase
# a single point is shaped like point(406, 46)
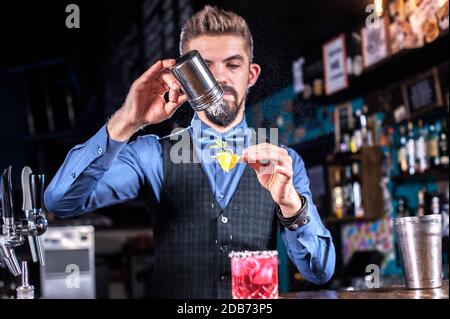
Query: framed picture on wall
point(375, 43)
point(335, 66)
point(422, 93)
point(442, 14)
point(424, 21)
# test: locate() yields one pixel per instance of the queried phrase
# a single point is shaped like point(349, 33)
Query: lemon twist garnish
point(226, 158)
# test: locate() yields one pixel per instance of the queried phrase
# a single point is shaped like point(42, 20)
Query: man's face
point(228, 60)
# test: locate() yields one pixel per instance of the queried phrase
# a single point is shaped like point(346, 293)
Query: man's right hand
point(145, 102)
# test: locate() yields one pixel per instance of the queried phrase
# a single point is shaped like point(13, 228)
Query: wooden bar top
point(391, 292)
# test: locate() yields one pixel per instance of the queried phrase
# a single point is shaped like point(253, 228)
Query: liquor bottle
point(343, 131)
point(391, 136)
point(402, 209)
point(344, 144)
point(421, 208)
point(421, 152)
point(349, 136)
point(387, 151)
point(381, 137)
point(353, 135)
point(433, 147)
point(445, 212)
point(337, 195)
point(355, 63)
point(357, 134)
point(443, 144)
point(348, 192)
point(353, 147)
point(357, 191)
point(366, 133)
point(411, 150)
point(435, 204)
point(401, 157)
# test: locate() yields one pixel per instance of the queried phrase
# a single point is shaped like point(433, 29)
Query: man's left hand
point(273, 167)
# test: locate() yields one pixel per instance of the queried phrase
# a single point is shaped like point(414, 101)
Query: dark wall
point(43, 63)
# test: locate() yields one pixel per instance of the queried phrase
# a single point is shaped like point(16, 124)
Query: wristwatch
point(299, 219)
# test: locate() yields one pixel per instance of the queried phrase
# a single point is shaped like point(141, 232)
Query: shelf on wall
point(393, 68)
point(434, 174)
point(343, 158)
point(349, 219)
point(428, 116)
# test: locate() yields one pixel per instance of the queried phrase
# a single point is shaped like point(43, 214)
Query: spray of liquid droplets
point(222, 113)
point(218, 109)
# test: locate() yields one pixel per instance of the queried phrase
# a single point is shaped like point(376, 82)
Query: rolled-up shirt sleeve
point(310, 247)
point(103, 172)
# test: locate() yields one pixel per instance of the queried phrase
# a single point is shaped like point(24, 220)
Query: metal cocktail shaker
point(420, 244)
point(197, 81)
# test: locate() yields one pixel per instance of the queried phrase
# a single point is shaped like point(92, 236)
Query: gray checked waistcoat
point(194, 235)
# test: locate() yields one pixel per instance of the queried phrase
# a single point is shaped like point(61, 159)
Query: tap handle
point(6, 195)
point(33, 249)
point(37, 197)
point(37, 191)
point(40, 250)
point(41, 227)
point(34, 240)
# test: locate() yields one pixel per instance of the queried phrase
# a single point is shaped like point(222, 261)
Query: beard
point(224, 112)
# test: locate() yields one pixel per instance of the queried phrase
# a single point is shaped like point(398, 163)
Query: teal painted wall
point(272, 107)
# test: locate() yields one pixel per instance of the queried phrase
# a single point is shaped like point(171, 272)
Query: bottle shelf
point(343, 158)
point(390, 70)
point(439, 173)
point(440, 111)
point(348, 219)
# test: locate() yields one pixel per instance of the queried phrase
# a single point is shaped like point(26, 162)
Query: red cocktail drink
point(254, 274)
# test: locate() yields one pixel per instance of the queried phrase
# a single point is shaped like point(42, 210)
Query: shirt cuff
point(102, 149)
point(305, 237)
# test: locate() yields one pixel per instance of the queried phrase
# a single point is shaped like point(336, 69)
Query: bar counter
point(390, 292)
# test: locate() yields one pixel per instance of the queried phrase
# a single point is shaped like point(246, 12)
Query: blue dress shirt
point(102, 172)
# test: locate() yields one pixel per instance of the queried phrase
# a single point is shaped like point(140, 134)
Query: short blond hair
point(212, 21)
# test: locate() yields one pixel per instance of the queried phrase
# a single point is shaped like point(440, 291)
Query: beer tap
point(35, 224)
point(9, 237)
point(27, 207)
point(38, 214)
point(32, 226)
point(25, 290)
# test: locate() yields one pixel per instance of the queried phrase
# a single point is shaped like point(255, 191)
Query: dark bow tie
point(234, 138)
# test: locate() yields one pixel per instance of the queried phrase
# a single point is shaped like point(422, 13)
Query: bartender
point(207, 209)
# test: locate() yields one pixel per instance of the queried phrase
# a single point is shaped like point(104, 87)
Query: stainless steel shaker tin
point(420, 246)
point(196, 80)
point(427, 219)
